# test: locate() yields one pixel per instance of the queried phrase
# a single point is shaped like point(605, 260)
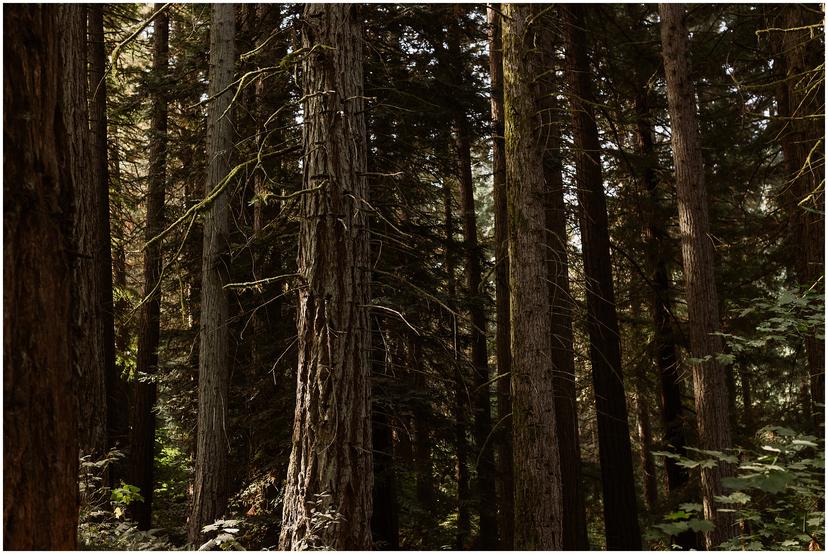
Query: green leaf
point(734, 498)
point(700, 525)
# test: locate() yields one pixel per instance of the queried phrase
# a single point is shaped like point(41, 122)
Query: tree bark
point(40, 439)
point(89, 346)
point(561, 305)
point(538, 503)
point(330, 465)
point(213, 440)
point(117, 400)
point(712, 415)
point(615, 452)
point(506, 489)
point(142, 439)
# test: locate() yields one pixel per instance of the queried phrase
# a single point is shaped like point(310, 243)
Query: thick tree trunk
point(330, 465)
point(89, 346)
point(213, 440)
point(618, 485)
point(142, 439)
point(712, 414)
point(538, 496)
point(506, 489)
point(561, 305)
point(117, 401)
point(40, 439)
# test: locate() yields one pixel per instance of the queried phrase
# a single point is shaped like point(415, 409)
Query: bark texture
point(561, 305)
point(503, 352)
point(615, 452)
point(538, 510)
point(213, 442)
point(88, 238)
point(330, 466)
point(40, 438)
point(142, 438)
point(710, 389)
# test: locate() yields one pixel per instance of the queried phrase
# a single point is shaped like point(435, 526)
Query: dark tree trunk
point(330, 465)
point(40, 439)
point(673, 413)
point(712, 414)
point(538, 504)
point(117, 401)
point(618, 485)
point(461, 473)
point(803, 103)
point(506, 490)
point(486, 486)
point(561, 304)
point(142, 439)
point(88, 237)
point(385, 525)
point(213, 440)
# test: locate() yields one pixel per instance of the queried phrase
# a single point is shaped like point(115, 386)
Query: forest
point(413, 276)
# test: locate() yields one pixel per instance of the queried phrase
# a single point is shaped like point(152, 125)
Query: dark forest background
point(412, 276)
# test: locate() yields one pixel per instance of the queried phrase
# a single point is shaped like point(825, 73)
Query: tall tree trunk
point(330, 466)
point(142, 439)
point(615, 452)
point(803, 103)
point(385, 525)
point(213, 440)
point(461, 472)
point(673, 413)
point(538, 502)
point(561, 305)
point(506, 489)
point(89, 346)
point(486, 491)
point(40, 439)
point(117, 405)
point(697, 251)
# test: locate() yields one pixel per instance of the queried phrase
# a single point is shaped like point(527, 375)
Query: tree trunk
point(803, 103)
point(461, 472)
point(117, 401)
point(561, 305)
point(486, 491)
point(673, 414)
point(330, 466)
point(40, 440)
point(538, 503)
point(385, 525)
point(89, 346)
point(213, 440)
point(697, 251)
point(142, 440)
point(506, 489)
point(615, 452)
